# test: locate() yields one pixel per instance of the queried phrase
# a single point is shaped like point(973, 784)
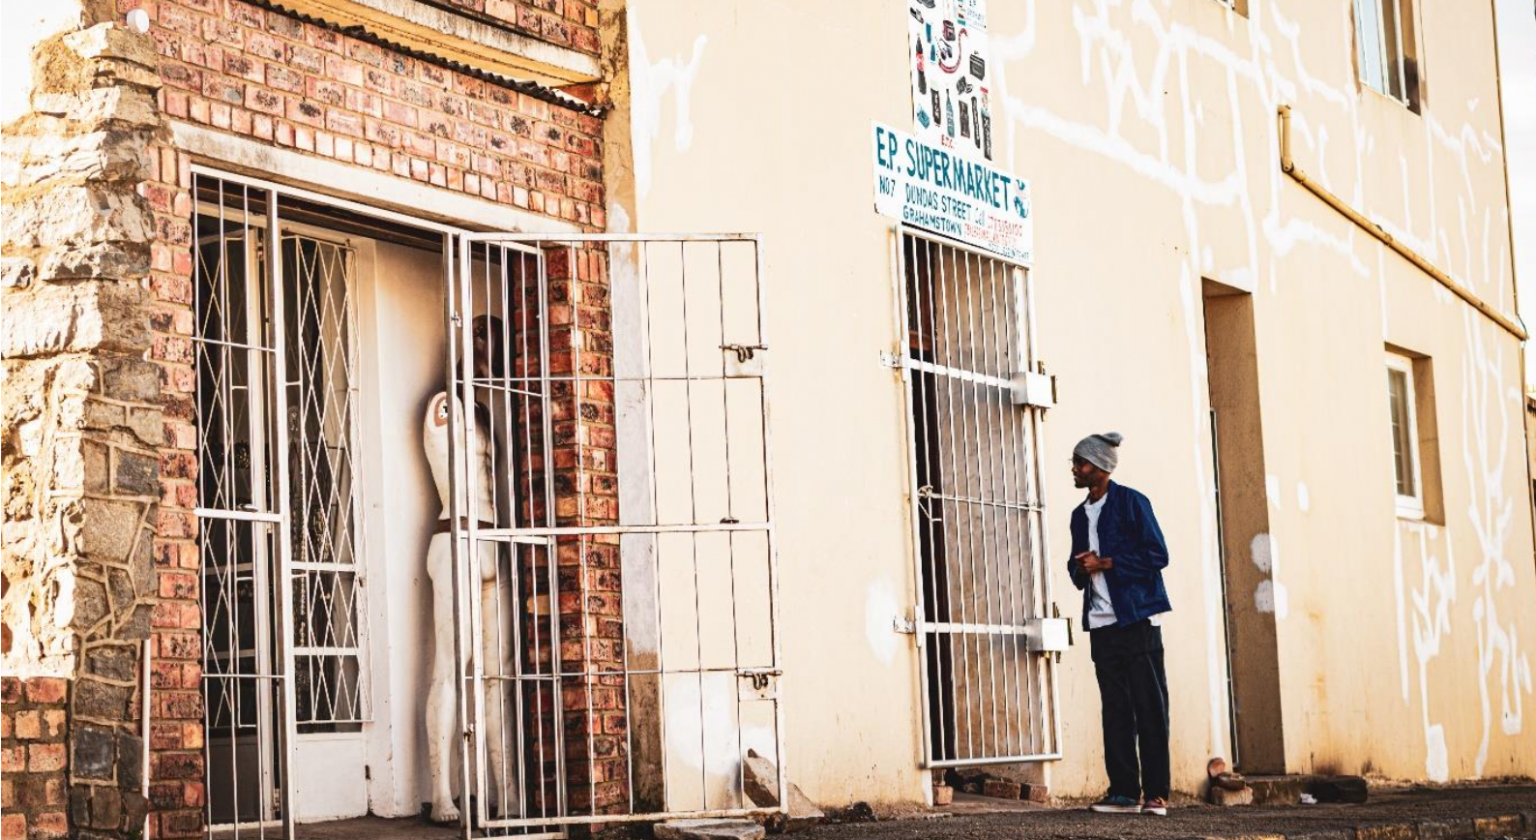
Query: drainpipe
point(1289, 167)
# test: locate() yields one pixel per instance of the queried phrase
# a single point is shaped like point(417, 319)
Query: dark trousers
point(1134, 689)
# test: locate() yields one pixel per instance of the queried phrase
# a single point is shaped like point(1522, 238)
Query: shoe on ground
point(1116, 805)
point(1156, 805)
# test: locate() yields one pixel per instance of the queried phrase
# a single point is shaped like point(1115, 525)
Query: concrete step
point(1279, 790)
point(1287, 790)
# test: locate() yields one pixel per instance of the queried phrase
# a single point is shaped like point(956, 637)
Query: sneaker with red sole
point(1116, 805)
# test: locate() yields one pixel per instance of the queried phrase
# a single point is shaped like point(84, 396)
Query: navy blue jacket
point(1128, 535)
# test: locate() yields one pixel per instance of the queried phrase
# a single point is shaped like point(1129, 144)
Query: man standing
point(1118, 555)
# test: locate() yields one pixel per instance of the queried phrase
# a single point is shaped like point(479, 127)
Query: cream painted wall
point(1149, 133)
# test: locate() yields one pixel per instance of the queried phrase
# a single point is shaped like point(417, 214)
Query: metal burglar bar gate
point(280, 547)
point(612, 528)
point(977, 504)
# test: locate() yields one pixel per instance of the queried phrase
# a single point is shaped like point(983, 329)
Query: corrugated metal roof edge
point(533, 89)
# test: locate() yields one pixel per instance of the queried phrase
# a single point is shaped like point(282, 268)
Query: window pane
point(1368, 40)
point(1402, 445)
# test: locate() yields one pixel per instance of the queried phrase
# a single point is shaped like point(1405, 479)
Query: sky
point(1517, 75)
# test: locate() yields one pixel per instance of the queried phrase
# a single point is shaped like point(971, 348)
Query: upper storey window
point(1385, 49)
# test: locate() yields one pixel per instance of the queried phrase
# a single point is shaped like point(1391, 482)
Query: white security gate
point(280, 548)
point(977, 506)
point(612, 528)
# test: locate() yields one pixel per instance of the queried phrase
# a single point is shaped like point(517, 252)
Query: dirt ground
point(1444, 812)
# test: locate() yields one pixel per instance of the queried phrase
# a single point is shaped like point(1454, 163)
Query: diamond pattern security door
point(977, 505)
point(280, 546)
point(618, 574)
point(328, 576)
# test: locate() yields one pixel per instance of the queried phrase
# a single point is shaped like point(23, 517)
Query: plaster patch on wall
point(649, 83)
point(881, 608)
point(1272, 490)
point(1270, 596)
point(1259, 552)
point(1303, 497)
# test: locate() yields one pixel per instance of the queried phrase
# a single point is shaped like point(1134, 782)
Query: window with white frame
point(1386, 50)
point(1403, 410)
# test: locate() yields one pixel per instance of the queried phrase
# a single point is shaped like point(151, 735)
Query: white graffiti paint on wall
point(1485, 453)
point(649, 84)
point(1431, 604)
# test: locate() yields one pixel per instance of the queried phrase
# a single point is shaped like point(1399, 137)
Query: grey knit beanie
point(1102, 451)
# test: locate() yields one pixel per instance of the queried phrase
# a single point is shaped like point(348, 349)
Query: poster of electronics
point(947, 40)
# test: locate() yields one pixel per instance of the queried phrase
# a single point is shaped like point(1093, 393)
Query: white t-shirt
point(1101, 611)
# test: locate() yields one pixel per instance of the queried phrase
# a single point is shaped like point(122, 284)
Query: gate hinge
point(904, 624)
point(890, 360)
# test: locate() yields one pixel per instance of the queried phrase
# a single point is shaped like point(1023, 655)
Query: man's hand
point(1092, 562)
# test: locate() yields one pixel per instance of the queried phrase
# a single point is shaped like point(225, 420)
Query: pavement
point(1483, 811)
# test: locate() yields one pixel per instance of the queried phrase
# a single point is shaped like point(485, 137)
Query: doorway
point(1242, 504)
point(977, 506)
point(627, 442)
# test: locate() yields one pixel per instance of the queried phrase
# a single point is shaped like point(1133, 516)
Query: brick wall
point(569, 23)
point(177, 793)
point(586, 491)
point(262, 74)
point(34, 760)
point(283, 81)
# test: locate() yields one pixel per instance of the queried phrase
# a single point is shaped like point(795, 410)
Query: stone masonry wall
point(277, 79)
point(81, 425)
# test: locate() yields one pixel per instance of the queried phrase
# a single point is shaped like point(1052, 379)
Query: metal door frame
point(267, 369)
point(459, 262)
point(1025, 351)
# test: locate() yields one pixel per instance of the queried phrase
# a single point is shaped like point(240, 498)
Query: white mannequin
point(441, 696)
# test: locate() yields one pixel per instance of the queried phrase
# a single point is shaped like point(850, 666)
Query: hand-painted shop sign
point(947, 40)
point(959, 196)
